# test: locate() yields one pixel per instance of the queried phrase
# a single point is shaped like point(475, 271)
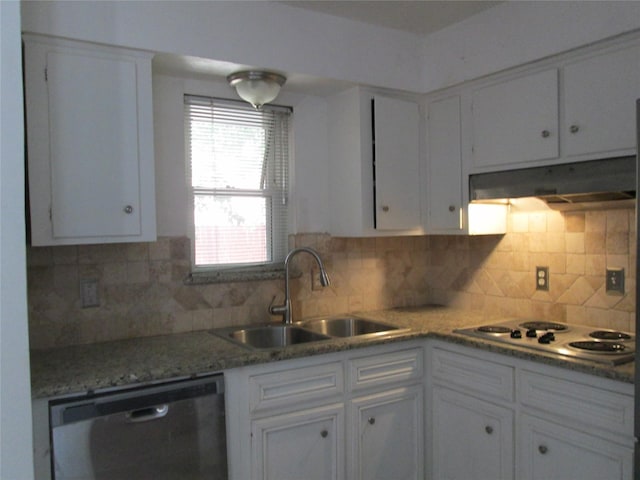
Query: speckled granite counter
point(90, 367)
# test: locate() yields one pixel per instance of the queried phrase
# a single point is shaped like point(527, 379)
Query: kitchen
point(490, 280)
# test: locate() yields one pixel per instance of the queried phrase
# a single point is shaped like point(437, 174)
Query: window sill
point(235, 275)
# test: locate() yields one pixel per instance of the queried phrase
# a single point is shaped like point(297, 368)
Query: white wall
point(261, 34)
point(515, 33)
point(309, 197)
point(16, 458)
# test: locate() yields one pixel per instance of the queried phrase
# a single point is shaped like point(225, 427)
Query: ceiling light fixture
point(257, 87)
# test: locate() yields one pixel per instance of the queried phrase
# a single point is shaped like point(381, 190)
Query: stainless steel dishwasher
point(168, 431)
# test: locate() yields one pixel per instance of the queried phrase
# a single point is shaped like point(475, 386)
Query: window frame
point(276, 225)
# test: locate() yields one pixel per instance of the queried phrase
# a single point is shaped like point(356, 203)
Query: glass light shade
point(257, 88)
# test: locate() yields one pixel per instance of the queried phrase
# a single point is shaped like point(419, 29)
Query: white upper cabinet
point(579, 106)
point(516, 121)
point(599, 103)
point(448, 209)
point(396, 163)
point(374, 188)
point(90, 143)
point(444, 173)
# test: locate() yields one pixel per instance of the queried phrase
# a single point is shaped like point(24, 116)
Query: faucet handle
point(276, 309)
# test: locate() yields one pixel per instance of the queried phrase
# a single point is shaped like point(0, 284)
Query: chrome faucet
point(285, 309)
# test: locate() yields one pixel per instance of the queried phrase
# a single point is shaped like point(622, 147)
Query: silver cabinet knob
point(452, 208)
point(543, 449)
point(385, 208)
point(574, 128)
point(128, 209)
point(545, 133)
point(371, 420)
point(324, 434)
point(488, 429)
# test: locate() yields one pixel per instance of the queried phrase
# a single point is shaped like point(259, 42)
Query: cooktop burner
point(493, 329)
point(541, 325)
point(576, 341)
point(610, 335)
point(600, 347)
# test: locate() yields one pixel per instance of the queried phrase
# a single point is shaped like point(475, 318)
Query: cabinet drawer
point(473, 374)
point(288, 387)
point(577, 402)
point(382, 369)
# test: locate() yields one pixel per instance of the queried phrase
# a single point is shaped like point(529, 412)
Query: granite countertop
point(81, 368)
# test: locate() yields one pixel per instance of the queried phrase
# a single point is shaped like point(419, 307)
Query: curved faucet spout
point(285, 309)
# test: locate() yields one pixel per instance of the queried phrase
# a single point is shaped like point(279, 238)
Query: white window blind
point(239, 164)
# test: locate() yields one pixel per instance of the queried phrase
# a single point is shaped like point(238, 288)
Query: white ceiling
point(421, 17)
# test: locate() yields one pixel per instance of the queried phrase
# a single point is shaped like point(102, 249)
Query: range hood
point(606, 180)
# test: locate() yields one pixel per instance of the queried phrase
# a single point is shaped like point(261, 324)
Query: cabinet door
point(516, 121)
point(599, 100)
point(301, 445)
point(93, 145)
point(90, 144)
point(444, 177)
point(397, 173)
point(550, 451)
point(387, 435)
point(472, 439)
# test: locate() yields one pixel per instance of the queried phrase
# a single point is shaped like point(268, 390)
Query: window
point(239, 164)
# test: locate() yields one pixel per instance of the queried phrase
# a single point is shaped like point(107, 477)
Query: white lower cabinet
point(387, 435)
point(472, 438)
point(347, 415)
point(553, 451)
point(301, 445)
point(493, 417)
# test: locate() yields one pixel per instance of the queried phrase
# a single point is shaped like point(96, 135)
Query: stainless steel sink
point(348, 327)
point(274, 336)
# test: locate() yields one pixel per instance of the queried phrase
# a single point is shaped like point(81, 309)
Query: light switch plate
point(615, 281)
point(89, 293)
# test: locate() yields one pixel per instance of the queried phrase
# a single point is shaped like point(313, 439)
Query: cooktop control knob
point(547, 338)
point(515, 333)
point(531, 333)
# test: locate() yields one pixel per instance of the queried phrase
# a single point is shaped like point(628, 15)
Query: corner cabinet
point(448, 208)
point(89, 132)
point(374, 165)
point(599, 101)
point(498, 417)
point(348, 415)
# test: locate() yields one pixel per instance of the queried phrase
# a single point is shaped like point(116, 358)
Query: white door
point(93, 145)
point(472, 439)
point(550, 451)
point(301, 445)
point(397, 171)
point(444, 177)
point(599, 99)
point(516, 121)
point(387, 435)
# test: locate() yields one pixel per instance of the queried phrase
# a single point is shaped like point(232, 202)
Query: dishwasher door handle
point(147, 414)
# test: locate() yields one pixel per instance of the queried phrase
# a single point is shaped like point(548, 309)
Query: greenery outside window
point(238, 160)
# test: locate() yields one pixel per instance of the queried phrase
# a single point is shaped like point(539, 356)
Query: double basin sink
point(277, 336)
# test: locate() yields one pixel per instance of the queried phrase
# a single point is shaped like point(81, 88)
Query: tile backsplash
point(141, 288)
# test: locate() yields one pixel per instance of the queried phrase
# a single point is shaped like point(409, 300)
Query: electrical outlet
point(615, 281)
point(89, 293)
point(542, 278)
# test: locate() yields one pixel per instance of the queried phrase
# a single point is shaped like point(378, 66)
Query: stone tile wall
point(142, 291)
point(497, 273)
